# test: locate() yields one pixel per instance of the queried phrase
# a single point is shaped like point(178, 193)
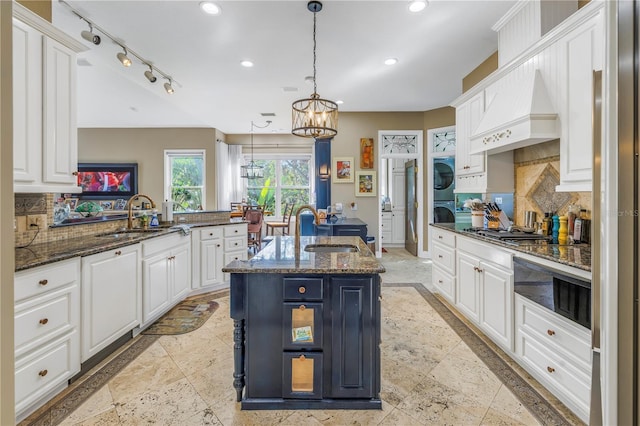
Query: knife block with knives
point(496, 218)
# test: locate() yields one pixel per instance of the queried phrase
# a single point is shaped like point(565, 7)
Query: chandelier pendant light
point(314, 117)
point(251, 170)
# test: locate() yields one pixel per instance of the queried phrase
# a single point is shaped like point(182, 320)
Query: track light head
point(168, 87)
point(149, 74)
point(123, 58)
point(90, 36)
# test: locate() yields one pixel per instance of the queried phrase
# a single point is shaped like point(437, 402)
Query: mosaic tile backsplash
point(536, 182)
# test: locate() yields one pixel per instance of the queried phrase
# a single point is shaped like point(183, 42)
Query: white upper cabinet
point(583, 50)
point(44, 92)
point(468, 116)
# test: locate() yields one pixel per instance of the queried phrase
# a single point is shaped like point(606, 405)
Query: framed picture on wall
point(366, 153)
point(365, 184)
point(342, 170)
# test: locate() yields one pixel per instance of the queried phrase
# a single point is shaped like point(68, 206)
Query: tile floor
point(429, 374)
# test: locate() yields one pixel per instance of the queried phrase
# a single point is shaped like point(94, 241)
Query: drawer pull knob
point(217, 245)
point(551, 369)
point(211, 234)
point(44, 321)
point(551, 332)
point(236, 231)
point(302, 307)
point(118, 253)
point(440, 281)
point(302, 290)
point(439, 237)
point(43, 373)
point(43, 282)
point(302, 358)
point(439, 256)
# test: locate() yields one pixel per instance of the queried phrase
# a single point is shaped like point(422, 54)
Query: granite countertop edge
point(543, 252)
point(54, 251)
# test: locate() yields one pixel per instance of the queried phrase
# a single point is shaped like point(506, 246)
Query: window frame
point(170, 153)
point(278, 157)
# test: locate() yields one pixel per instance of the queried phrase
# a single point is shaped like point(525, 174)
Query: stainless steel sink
point(331, 248)
point(128, 233)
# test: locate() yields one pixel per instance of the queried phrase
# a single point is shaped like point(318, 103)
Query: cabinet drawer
point(235, 243)
point(302, 375)
point(302, 289)
point(445, 283)
point(237, 255)
point(36, 321)
point(444, 257)
point(44, 370)
point(235, 230)
point(211, 233)
point(551, 330)
point(550, 367)
point(165, 243)
point(302, 325)
point(36, 281)
point(443, 237)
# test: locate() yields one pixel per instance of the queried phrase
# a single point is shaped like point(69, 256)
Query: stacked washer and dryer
point(444, 182)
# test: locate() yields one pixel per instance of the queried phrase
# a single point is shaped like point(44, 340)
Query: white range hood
point(519, 115)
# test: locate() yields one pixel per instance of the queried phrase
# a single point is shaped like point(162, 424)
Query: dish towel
point(185, 229)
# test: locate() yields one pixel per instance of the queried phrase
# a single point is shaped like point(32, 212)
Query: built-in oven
point(556, 290)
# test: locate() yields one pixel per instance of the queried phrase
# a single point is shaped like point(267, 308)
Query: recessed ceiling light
point(391, 61)
point(308, 79)
point(246, 64)
point(210, 8)
point(417, 5)
point(339, 102)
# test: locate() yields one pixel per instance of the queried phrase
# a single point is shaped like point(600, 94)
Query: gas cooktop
point(507, 235)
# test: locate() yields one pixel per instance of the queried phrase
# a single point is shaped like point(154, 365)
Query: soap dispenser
point(154, 218)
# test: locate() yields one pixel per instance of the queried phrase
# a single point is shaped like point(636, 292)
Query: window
point(285, 181)
point(184, 178)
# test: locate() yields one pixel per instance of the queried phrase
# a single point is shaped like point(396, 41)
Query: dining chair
point(285, 225)
point(255, 218)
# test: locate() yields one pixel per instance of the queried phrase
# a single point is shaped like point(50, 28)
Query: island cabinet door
point(302, 375)
point(302, 326)
point(355, 353)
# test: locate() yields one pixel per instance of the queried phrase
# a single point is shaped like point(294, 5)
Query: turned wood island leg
point(238, 358)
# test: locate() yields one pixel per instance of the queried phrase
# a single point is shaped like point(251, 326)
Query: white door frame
point(419, 182)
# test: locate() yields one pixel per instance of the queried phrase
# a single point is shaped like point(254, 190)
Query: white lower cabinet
point(557, 352)
point(443, 247)
point(235, 245)
point(47, 335)
point(111, 297)
point(166, 274)
point(386, 224)
point(212, 248)
point(485, 289)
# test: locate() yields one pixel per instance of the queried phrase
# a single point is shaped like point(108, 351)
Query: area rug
point(186, 316)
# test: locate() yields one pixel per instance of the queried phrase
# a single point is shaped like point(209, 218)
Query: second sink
point(331, 248)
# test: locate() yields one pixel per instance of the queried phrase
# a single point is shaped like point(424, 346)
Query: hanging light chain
point(315, 90)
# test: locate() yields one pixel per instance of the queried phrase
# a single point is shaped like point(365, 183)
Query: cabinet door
point(211, 258)
point(27, 103)
point(497, 305)
point(111, 295)
point(354, 351)
point(468, 116)
point(155, 286)
point(60, 135)
point(468, 292)
point(397, 227)
point(583, 49)
point(397, 194)
point(180, 272)
point(476, 111)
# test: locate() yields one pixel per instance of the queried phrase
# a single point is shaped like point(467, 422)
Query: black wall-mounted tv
point(108, 181)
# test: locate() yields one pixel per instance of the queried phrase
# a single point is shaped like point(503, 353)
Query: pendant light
point(252, 170)
point(314, 117)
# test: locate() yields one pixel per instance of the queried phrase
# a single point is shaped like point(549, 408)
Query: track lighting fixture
point(90, 36)
point(126, 57)
point(123, 58)
point(168, 87)
point(149, 74)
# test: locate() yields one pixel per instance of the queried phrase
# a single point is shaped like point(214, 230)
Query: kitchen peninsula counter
point(307, 327)
point(574, 255)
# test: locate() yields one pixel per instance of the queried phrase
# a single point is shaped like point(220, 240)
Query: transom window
point(285, 181)
point(184, 178)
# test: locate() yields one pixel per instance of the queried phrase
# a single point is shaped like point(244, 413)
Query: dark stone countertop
point(574, 255)
point(278, 257)
point(54, 251)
